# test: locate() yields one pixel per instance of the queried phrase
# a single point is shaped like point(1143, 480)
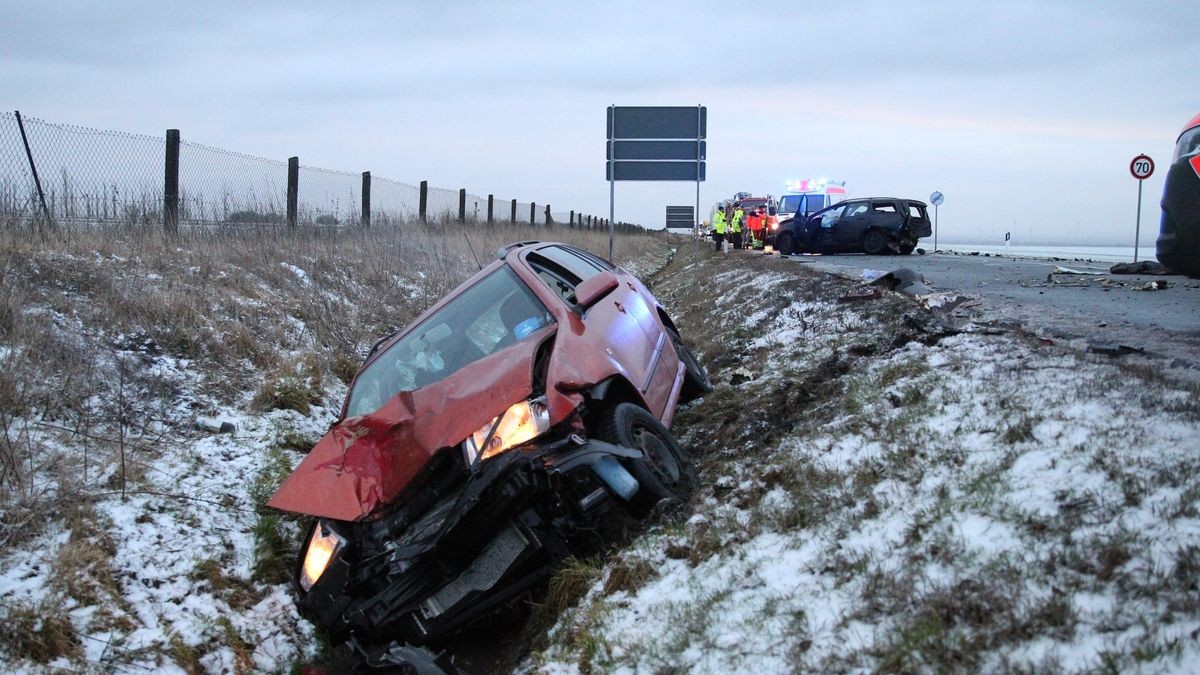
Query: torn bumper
point(414, 577)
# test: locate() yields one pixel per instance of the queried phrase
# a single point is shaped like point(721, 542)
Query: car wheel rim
point(660, 458)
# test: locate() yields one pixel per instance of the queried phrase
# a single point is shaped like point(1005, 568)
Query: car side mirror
point(594, 288)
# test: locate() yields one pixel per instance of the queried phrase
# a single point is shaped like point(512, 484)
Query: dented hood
point(364, 462)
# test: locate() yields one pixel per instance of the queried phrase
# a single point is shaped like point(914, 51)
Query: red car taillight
point(1194, 160)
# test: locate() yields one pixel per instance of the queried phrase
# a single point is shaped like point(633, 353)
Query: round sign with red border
point(1142, 167)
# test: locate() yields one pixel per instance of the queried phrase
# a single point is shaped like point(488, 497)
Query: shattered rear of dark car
point(513, 423)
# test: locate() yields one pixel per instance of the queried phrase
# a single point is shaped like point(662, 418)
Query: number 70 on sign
point(1142, 167)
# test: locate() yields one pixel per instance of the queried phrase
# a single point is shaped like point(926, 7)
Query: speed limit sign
point(1141, 167)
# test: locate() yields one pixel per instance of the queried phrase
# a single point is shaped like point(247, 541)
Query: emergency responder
point(762, 228)
point(719, 227)
point(754, 224)
point(735, 226)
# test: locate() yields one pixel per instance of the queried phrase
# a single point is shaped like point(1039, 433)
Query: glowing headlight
point(774, 226)
point(322, 546)
point(521, 423)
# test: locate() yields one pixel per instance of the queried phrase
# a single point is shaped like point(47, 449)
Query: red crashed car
point(481, 444)
point(1178, 246)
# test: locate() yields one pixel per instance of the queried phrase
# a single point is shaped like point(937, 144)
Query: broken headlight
point(323, 545)
point(521, 423)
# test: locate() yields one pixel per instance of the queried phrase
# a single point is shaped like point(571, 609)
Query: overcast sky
point(1025, 114)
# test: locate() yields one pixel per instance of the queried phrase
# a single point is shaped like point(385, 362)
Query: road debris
point(1059, 269)
point(861, 293)
point(1156, 285)
point(1141, 267)
point(945, 302)
point(904, 281)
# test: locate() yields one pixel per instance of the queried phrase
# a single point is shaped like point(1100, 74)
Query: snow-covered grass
point(885, 489)
point(134, 534)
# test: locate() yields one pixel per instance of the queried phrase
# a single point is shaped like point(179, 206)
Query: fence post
point(33, 167)
point(171, 184)
point(366, 199)
point(293, 189)
point(491, 200)
point(549, 219)
point(532, 213)
point(462, 205)
point(571, 222)
point(424, 200)
point(512, 217)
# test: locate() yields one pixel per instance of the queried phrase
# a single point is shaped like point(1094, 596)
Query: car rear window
point(917, 211)
point(496, 312)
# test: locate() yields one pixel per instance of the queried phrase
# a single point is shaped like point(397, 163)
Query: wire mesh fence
point(71, 175)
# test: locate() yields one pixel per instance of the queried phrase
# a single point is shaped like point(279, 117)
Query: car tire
point(786, 244)
point(664, 472)
point(696, 382)
point(907, 249)
point(875, 243)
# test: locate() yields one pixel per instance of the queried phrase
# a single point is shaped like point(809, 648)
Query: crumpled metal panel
point(364, 462)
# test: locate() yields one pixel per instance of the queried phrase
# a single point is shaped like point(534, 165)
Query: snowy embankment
point(887, 488)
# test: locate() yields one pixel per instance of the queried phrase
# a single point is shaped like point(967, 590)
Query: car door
point(885, 215)
point(852, 224)
point(619, 325)
point(822, 225)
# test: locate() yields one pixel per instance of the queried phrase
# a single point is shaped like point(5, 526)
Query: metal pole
point(1137, 232)
point(935, 225)
point(696, 215)
point(32, 167)
point(612, 186)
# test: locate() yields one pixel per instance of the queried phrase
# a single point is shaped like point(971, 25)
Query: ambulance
point(809, 196)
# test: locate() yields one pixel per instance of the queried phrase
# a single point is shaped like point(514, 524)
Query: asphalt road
point(1063, 306)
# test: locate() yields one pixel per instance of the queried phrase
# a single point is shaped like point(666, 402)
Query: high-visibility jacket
point(736, 224)
point(719, 222)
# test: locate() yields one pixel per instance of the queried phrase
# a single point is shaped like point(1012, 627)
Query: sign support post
point(612, 196)
point(936, 199)
point(1142, 167)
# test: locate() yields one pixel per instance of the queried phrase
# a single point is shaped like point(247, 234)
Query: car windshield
point(496, 312)
point(1188, 145)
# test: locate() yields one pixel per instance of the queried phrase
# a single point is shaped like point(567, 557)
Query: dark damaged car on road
point(478, 447)
point(874, 226)
point(1178, 245)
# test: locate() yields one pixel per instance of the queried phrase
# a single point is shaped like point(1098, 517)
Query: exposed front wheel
point(664, 472)
point(907, 248)
point(875, 243)
point(786, 244)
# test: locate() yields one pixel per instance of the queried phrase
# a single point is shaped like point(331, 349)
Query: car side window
point(556, 277)
point(594, 259)
point(830, 217)
point(883, 207)
point(855, 210)
point(577, 265)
